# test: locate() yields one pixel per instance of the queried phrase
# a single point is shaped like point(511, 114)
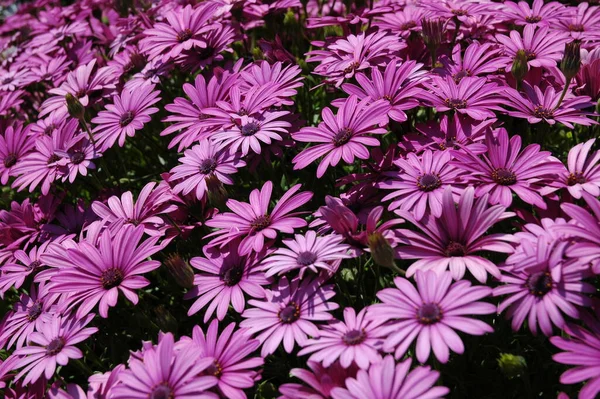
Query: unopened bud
point(511, 365)
point(381, 250)
point(433, 32)
point(217, 195)
point(571, 61)
point(519, 66)
point(76, 110)
point(182, 272)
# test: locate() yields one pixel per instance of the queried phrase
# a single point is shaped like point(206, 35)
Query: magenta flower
point(15, 143)
point(288, 313)
point(87, 275)
point(162, 371)
point(461, 10)
point(320, 381)
point(202, 162)
point(505, 169)
point(184, 29)
point(128, 113)
point(223, 281)
point(536, 106)
point(539, 14)
point(472, 96)
point(355, 340)
point(10, 101)
point(405, 21)
point(56, 342)
point(478, 60)
point(430, 314)
point(14, 273)
point(542, 47)
point(76, 150)
point(583, 174)
point(253, 223)
point(286, 79)
point(343, 136)
point(307, 252)
point(419, 185)
point(40, 166)
point(587, 228)
point(388, 380)
point(229, 351)
point(581, 23)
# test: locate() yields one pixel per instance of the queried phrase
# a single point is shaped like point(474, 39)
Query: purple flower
point(24, 264)
point(355, 340)
point(388, 380)
point(587, 228)
point(307, 252)
point(162, 371)
point(285, 79)
point(253, 223)
point(55, 345)
point(583, 174)
point(320, 380)
point(403, 22)
point(419, 185)
point(223, 281)
point(343, 136)
point(505, 169)
point(430, 314)
point(76, 150)
point(288, 313)
point(42, 165)
point(478, 59)
point(87, 275)
point(539, 14)
point(15, 143)
point(581, 23)
point(461, 10)
point(229, 351)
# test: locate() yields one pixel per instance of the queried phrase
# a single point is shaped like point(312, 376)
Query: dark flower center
point(576, 28)
point(250, 129)
point(7, 80)
point(184, 35)
point(214, 369)
point(351, 67)
point(429, 313)
point(428, 182)
point(53, 158)
point(55, 346)
point(48, 130)
point(77, 157)
point(80, 93)
point(232, 275)
point(207, 166)
point(530, 54)
point(575, 178)
point(455, 249)
point(126, 118)
point(261, 223)
point(34, 265)
point(306, 258)
point(504, 177)
point(408, 25)
point(206, 53)
point(388, 98)
point(532, 19)
point(162, 391)
point(542, 112)
point(354, 337)
point(461, 74)
point(460, 13)
point(342, 136)
point(290, 313)
point(10, 160)
point(539, 284)
point(34, 311)
point(111, 278)
point(455, 103)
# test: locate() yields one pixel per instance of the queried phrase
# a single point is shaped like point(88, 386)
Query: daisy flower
point(581, 23)
point(430, 313)
point(478, 60)
point(15, 143)
point(538, 14)
point(24, 264)
point(288, 313)
point(319, 381)
point(583, 174)
point(587, 229)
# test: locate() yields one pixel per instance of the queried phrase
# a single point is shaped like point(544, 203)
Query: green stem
point(563, 94)
point(83, 367)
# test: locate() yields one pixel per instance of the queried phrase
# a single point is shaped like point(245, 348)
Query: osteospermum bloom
point(24, 264)
point(96, 275)
point(587, 228)
point(356, 339)
point(505, 169)
point(223, 280)
point(319, 381)
point(420, 183)
point(288, 313)
point(307, 252)
point(388, 380)
point(583, 173)
point(201, 162)
point(229, 351)
point(40, 166)
point(542, 48)
point(478, 59)
point(343, 136)
point(538, 13)
point(163, 372)
point(581, 23)
point(55, 345)
point(430, 313)
point(15, 143)
point(128, 113)
point(254, 223)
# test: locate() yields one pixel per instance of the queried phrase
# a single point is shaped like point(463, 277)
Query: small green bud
point(381, 250)
point(76, 110)
point(571, 61)
point(520, 67)
point(182, 272)
point(512, 365)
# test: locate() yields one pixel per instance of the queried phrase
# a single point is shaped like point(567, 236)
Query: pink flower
point(15, 143)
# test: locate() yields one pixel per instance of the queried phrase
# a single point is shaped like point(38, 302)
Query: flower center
point(126, 118)
point(575, 178)
point(289, 314)
point(354, 337)
point(428, 182)
point(532, 19)
point(111, 278)
point(34, 265)
point(232, 275)
point(53, 158)
point(350, 68)
point(206, 53)
point(77, 157)
point(261, 222)
point(504, 177)
point(342, 136)
point(55, 346)
point(455, 103)
point(214, 369)
point(459, 13)
point(408, 25)
point(250, 129)
point(184, 35)
point(576, 28)
point(455, 249)
point(542, 112)
point(162, 391)
point(34, 311)
point(7, 80)
point(530, 54)
point(306, 258)
point(539, 284)
point(49, 129)
point(10, 160)
point(207, 166)
point(429, 313)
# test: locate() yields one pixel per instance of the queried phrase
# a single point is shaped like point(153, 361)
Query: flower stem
point(563, 94)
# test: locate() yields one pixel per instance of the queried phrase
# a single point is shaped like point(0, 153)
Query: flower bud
point(571, 61)
point(519, 66)
point(76, 110)
point(217, 194)
point(512, 365)
point(433, 32)
point(182, 272)
point(381, 250)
